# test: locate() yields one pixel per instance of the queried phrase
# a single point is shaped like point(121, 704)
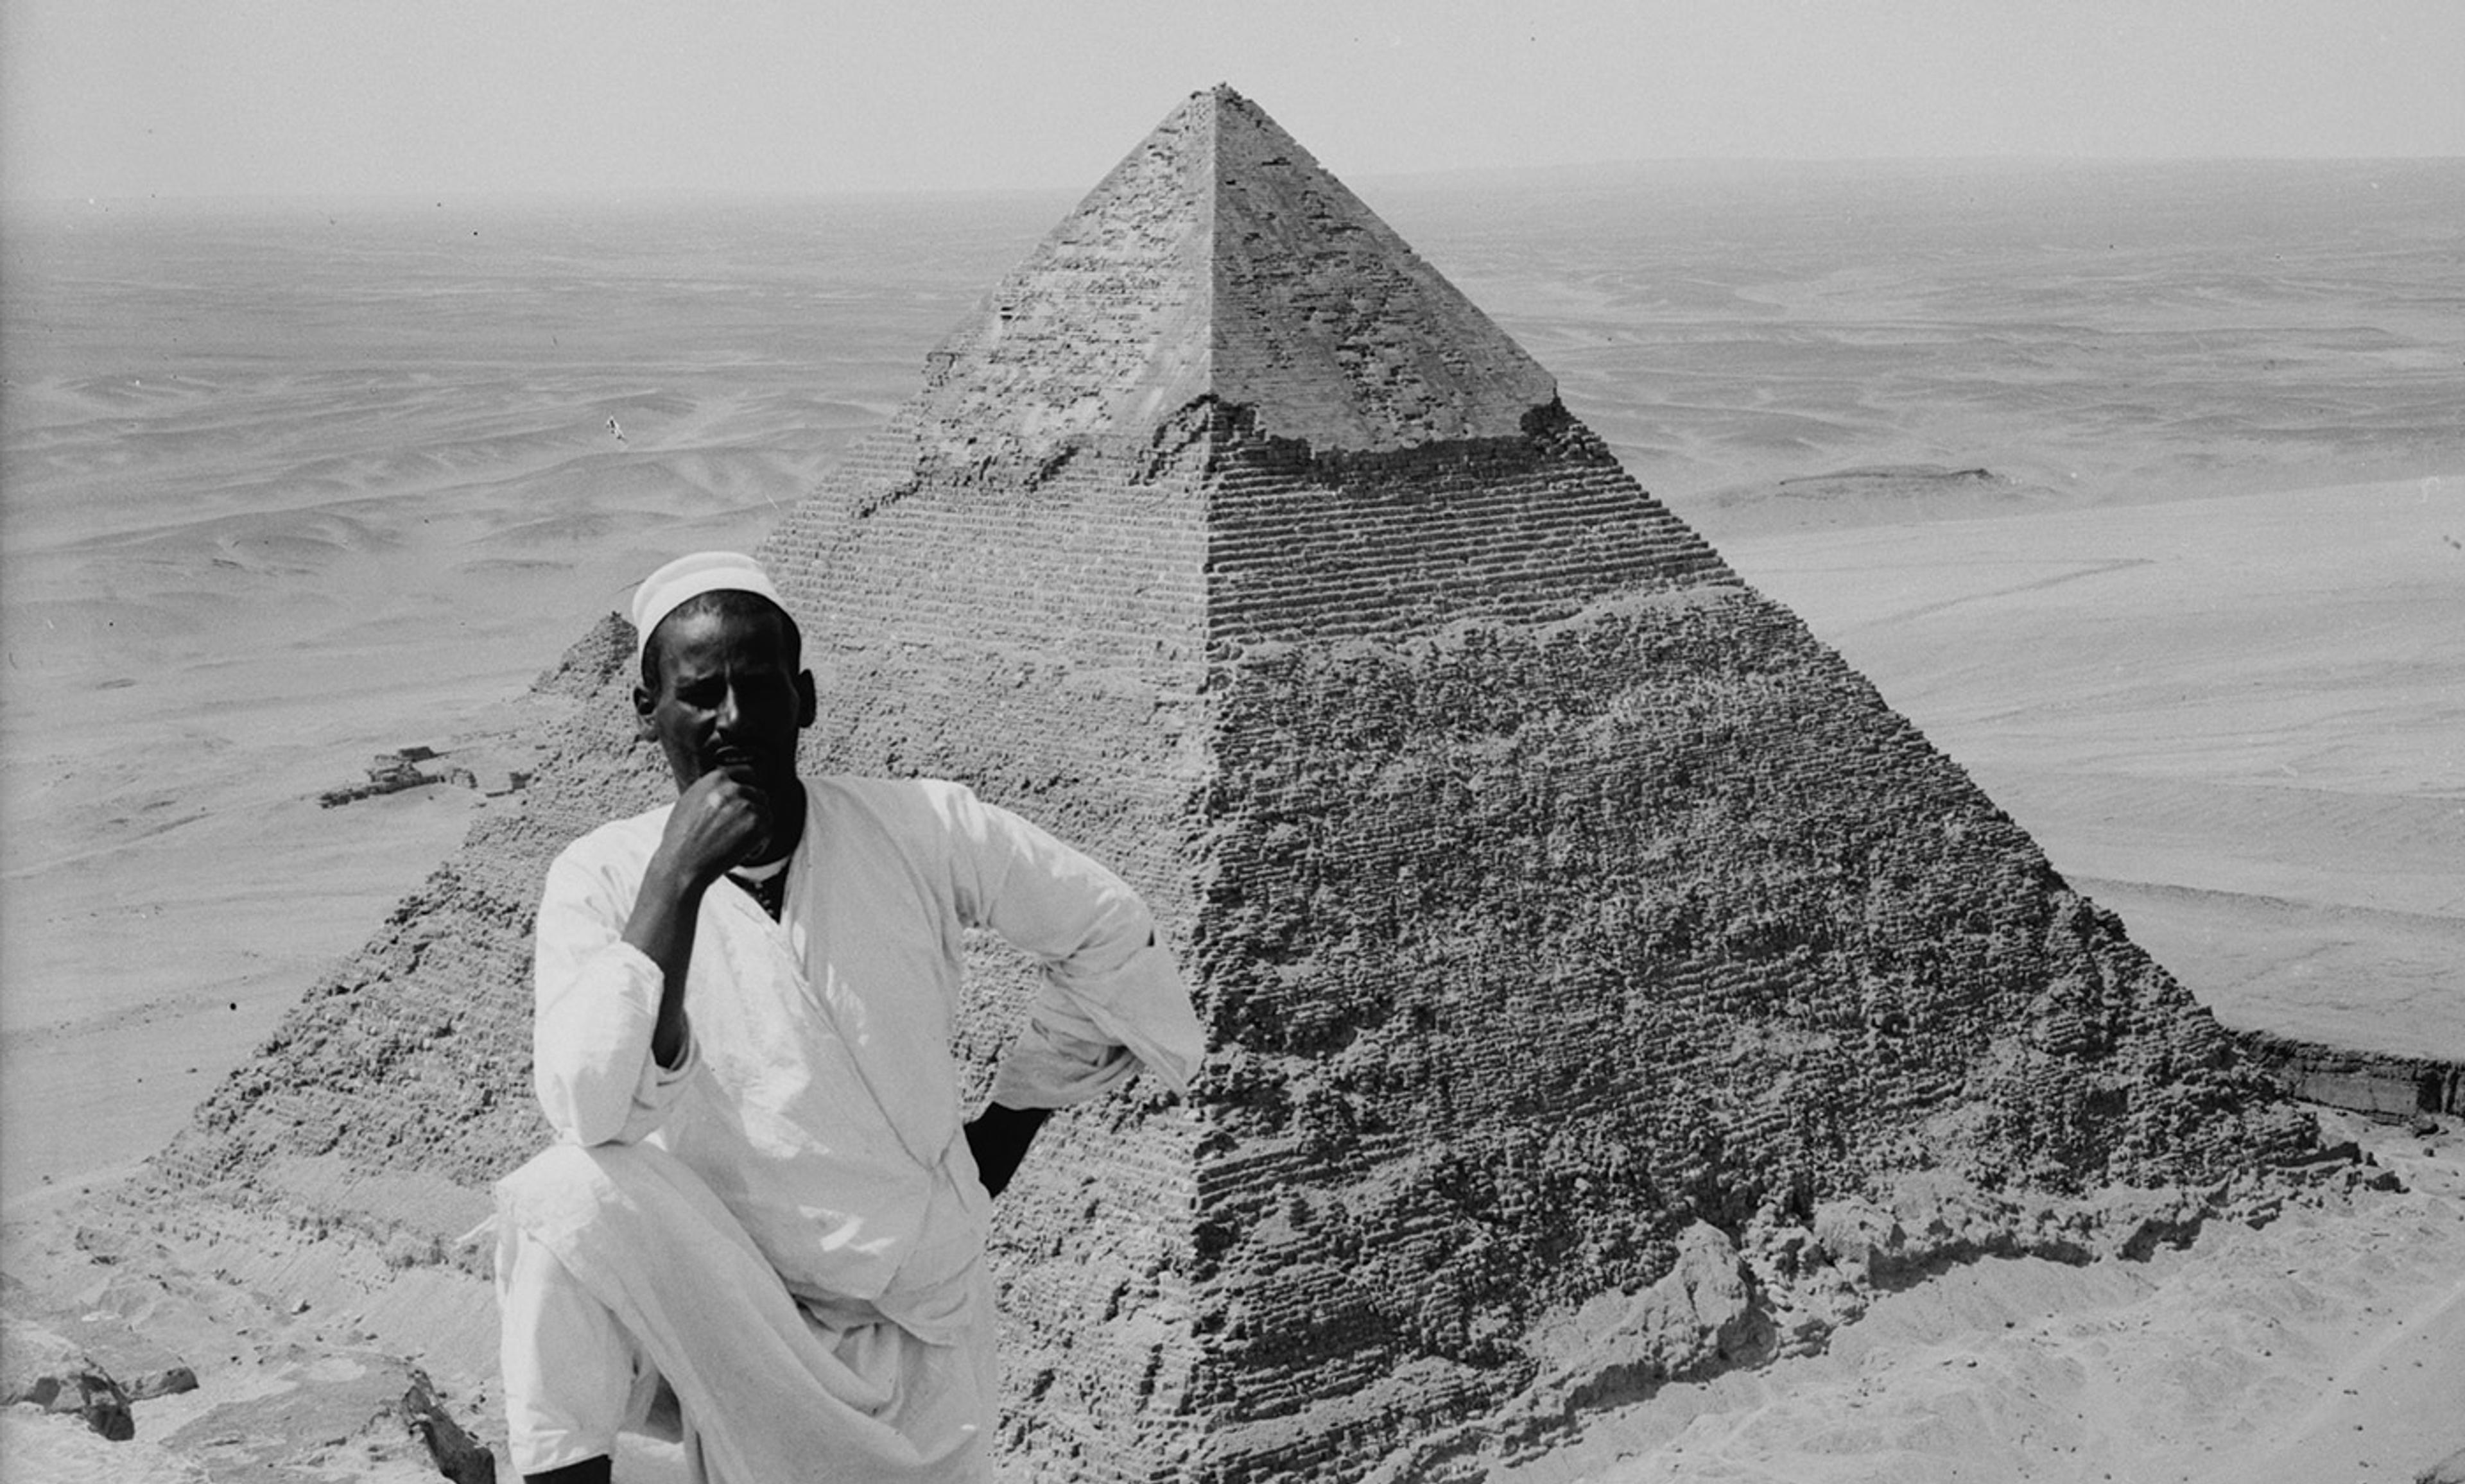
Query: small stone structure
point(416, 768)
point(1598, 972)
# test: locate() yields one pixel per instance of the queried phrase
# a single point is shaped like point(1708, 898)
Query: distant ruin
point(417, 767)
point(1605, 984)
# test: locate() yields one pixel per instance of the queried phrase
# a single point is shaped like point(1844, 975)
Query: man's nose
point(729, 711)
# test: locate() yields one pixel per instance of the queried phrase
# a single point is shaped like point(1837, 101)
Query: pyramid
point(1602, 980)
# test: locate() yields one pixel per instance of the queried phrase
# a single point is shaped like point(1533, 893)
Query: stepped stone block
point(1569, 923)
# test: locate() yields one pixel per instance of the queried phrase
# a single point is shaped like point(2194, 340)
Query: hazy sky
point(114, 97)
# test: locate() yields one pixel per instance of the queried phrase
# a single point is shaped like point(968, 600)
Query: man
point(764, 1219)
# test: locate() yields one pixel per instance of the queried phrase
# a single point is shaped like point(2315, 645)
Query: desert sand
point(288, 487)
point(2239, 731)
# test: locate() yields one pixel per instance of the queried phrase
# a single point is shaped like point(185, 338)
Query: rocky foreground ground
point(2310, 1335)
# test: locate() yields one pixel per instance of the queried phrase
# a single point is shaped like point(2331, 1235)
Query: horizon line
point(1482, 174)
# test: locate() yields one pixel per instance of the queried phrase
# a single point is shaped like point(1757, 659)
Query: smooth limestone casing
point(1547, 892)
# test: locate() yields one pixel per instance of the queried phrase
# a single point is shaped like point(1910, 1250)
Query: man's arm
point(610, 1038)
point(1112, 1001)
point(597, 1000)
point(714, 822)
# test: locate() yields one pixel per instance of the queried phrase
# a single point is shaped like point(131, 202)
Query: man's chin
point(783, 820)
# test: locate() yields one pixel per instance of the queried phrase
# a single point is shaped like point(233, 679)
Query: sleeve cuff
point(1142, 1006)
point(1050, 1068)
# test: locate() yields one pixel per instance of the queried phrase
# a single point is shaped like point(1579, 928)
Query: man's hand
point(719, 821)
point(999, 1138)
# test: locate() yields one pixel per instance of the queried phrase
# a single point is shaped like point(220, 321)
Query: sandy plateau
point(287, 491)
point(2233, 719)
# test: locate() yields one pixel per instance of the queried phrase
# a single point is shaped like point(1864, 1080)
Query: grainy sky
point(121, 97)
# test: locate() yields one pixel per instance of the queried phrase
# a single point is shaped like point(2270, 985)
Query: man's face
point(726, 699)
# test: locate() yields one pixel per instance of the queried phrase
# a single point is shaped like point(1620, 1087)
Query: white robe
point(813, 1129)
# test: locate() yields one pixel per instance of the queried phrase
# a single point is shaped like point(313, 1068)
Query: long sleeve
point(1112, 998)
point(597, 1002)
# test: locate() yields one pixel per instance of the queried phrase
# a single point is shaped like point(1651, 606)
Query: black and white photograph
point(1129, 742)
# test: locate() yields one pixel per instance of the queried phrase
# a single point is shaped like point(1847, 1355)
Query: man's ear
point(806, 708)
point(644, 703)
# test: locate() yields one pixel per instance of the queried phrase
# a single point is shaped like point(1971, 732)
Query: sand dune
point(2240, 716)
point(2289, 640)
point(2149, 332)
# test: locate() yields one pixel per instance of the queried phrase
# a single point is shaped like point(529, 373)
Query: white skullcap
point(689, 577)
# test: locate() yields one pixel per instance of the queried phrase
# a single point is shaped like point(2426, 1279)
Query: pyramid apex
point(1329, 324)
point(1220, 261)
